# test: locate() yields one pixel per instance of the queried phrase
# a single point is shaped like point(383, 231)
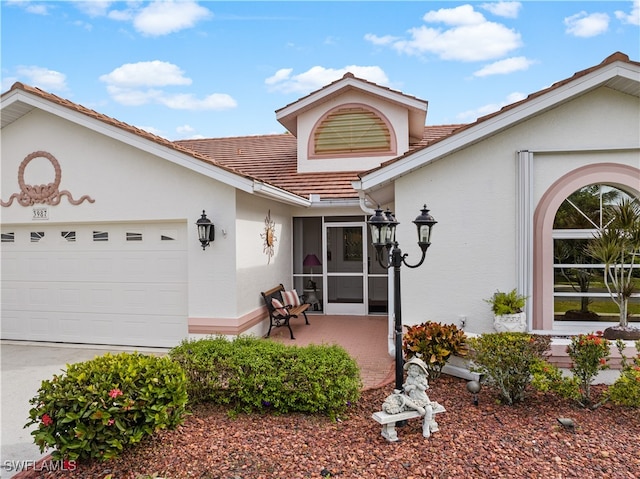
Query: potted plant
point(508, 311)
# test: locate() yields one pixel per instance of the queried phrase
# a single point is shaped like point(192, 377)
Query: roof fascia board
point(351, 82)
point(270, 191)
point(501, 121)
point(129, 138)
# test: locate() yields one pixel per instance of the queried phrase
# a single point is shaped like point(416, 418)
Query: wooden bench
point(389, 421)
point(281, 316)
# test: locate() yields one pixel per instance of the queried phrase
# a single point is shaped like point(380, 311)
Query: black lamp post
point(383, 234)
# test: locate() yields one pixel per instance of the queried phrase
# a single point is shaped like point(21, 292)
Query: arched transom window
point(352, 129)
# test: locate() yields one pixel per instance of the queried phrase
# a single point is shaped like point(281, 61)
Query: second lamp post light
point(383, 234)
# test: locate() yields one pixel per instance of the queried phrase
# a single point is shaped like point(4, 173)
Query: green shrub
point(626, 390)
point(434, 343)
point(506, 360)
point(98, 407)
point(252, 374)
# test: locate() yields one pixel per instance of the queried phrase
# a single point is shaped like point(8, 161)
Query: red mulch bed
point(485, 441)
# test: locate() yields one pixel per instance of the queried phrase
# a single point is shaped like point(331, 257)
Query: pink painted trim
point(393, 146)
point(626, 177)
point(560, 357)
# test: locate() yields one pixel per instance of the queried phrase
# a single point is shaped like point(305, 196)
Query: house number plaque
point(40, 213)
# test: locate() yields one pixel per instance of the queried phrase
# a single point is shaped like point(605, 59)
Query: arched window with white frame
point(579, 290)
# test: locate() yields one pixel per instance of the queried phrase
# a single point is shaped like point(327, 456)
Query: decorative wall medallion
point(48, 194)
point(269, 236)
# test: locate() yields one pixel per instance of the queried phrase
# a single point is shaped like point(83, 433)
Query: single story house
point(99, 236)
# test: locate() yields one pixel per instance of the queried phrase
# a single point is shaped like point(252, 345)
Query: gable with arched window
point(350, 130)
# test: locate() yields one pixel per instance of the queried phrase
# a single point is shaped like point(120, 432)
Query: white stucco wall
point(472, 194)
point(396, 115)
point(255, 271)
point(127, 185)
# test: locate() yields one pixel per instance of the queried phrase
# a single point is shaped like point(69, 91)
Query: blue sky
point(186, 69)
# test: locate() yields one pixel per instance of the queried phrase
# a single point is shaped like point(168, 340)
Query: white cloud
point(164, 17)
point(84, 25)
point(133, 96)
point(462, 15)
point(502, 67)
point(281, 75)
point(472, 115)
point(153, 73)
point(185, 129)
point(136, 84)
point(468, 36)
point(121, 15)
point(317, 77)
point(503, 9)
point(30, 7)
point(49, 80)
point(186, 101)
point(376, 40)
point(93, 8)
point(633, 17)
point(587, 25)
point(7, 82)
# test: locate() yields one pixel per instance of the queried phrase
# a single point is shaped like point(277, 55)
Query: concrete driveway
point(24, 365)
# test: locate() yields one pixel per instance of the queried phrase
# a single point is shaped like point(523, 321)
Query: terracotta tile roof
point(113, 122)
point(268, 158)
point(273, 159)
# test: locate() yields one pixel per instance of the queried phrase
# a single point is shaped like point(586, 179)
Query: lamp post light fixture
point(383, 234)
point(206, 230)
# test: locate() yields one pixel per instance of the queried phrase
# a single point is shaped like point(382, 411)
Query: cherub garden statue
point(414, 396)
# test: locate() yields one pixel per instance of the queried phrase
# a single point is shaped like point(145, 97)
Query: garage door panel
point(139, 298)
point(111, 292)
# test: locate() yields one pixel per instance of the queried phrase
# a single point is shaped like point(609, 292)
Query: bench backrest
point(269, 295)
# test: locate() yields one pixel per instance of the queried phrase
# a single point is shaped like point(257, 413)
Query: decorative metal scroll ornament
point(269, 236)
point(48, 194)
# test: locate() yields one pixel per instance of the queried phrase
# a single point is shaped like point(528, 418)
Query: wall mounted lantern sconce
point(206, 230)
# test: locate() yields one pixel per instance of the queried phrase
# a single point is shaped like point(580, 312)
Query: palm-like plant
point(618, 247)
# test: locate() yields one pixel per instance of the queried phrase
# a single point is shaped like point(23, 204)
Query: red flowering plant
point(99, 407)
point(589, 354)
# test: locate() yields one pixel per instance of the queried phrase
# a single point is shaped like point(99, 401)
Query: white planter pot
point(510, 323)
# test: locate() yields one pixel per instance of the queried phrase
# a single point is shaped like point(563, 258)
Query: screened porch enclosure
point(334, 266)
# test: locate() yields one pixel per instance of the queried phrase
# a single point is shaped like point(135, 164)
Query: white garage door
point(119, 284)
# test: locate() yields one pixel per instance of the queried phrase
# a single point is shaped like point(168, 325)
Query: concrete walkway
point(24, 366)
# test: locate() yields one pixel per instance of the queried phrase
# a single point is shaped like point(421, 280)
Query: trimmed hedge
point(252, 374)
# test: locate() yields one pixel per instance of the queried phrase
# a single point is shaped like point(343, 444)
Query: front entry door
point(345, 255)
